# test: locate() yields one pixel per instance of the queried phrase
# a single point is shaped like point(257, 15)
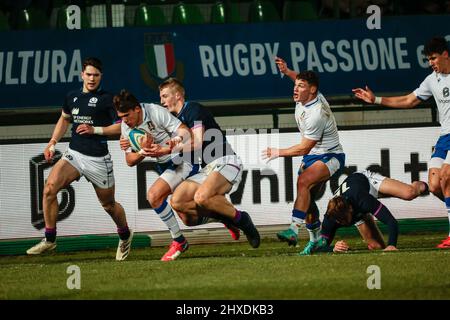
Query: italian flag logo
point(160, 59)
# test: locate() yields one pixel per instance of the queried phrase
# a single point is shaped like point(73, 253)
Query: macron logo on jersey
point(75, 111)
point(75, 99)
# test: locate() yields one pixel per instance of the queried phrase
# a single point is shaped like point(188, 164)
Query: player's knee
point(109, 206)
point(50, 190)
point(154, 199)
point(176, 202)
point(434, 187)
point(409, 194)
point(201, 199)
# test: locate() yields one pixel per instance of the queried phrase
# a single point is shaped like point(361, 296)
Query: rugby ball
point(135, 136)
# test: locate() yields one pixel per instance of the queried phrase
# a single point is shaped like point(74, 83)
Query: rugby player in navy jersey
point(93, 118)
point(201, 198)
point(160, 126)
point(436, 84)
point(355, 203)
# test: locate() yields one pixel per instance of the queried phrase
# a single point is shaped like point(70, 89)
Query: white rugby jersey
point(438, 86)
point(158, 122)
point(316, 122)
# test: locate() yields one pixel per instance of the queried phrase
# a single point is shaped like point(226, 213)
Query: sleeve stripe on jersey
point(197, 126)
point(65, 115)
point(378, 210)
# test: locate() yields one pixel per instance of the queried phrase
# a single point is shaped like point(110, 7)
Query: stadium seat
point(299, 10)
point(32, 18)
point(263, 11)
point(147, 15)
point(63, 15)
point(4, 25)
point(187, 14)
point(225, 13)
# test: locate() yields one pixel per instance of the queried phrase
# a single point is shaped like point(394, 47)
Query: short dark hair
point(125, 101)
point(92, 61)
point(435, 45)
point(309, 76)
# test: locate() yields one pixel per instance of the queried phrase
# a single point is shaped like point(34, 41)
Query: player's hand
point(270, 154)
point(390, 248)
point(124, 143)
point(364, 94)
point(147, 141)
point(174, 142)
point(49, 152)
point(155, 150)
point(84, 129)
point(341, 246)
point(282, 65)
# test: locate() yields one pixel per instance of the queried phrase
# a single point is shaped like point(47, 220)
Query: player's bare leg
point(61, 175)
point(434, 183)
point(314, 175)
point(210, 196)
point(157, 197)
point(398, 189)
point(117, 213)
point(111, 206)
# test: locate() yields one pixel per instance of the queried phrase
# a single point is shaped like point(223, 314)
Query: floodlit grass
point(235, 271)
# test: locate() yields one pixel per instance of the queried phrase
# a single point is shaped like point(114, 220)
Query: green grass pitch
point(235, 271)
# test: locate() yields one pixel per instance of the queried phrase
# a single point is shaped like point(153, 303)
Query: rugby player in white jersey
point(160, 127)
point(322, 153)
point(437, 84)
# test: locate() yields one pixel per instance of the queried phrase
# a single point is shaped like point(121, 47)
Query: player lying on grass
point(355, 203)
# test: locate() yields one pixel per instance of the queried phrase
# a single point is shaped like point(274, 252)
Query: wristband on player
point(377, 100)
point(98, 130)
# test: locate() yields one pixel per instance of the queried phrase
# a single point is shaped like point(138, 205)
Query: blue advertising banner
point(218, 62)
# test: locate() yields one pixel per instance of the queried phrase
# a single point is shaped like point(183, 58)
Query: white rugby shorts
point(97, 170)
point(176, 174)
point(375, 180)
point(230, 167)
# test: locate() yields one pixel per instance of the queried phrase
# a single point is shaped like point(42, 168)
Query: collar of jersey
point(144, 119)
point(91, 92)
point(309, 104)
point(182, 109)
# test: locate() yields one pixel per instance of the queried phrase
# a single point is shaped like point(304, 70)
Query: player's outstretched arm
point(282, 66)
point(304, 147)
point(112, 130)
point(402, 102)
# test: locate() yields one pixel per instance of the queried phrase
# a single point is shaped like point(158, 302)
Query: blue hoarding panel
point(218, 62)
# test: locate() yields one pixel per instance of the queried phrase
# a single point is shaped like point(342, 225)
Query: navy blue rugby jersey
point(355, 189)
point(96, 109)
point(215, 144)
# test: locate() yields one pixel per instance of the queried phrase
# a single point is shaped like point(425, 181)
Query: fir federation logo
point(160, 62)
